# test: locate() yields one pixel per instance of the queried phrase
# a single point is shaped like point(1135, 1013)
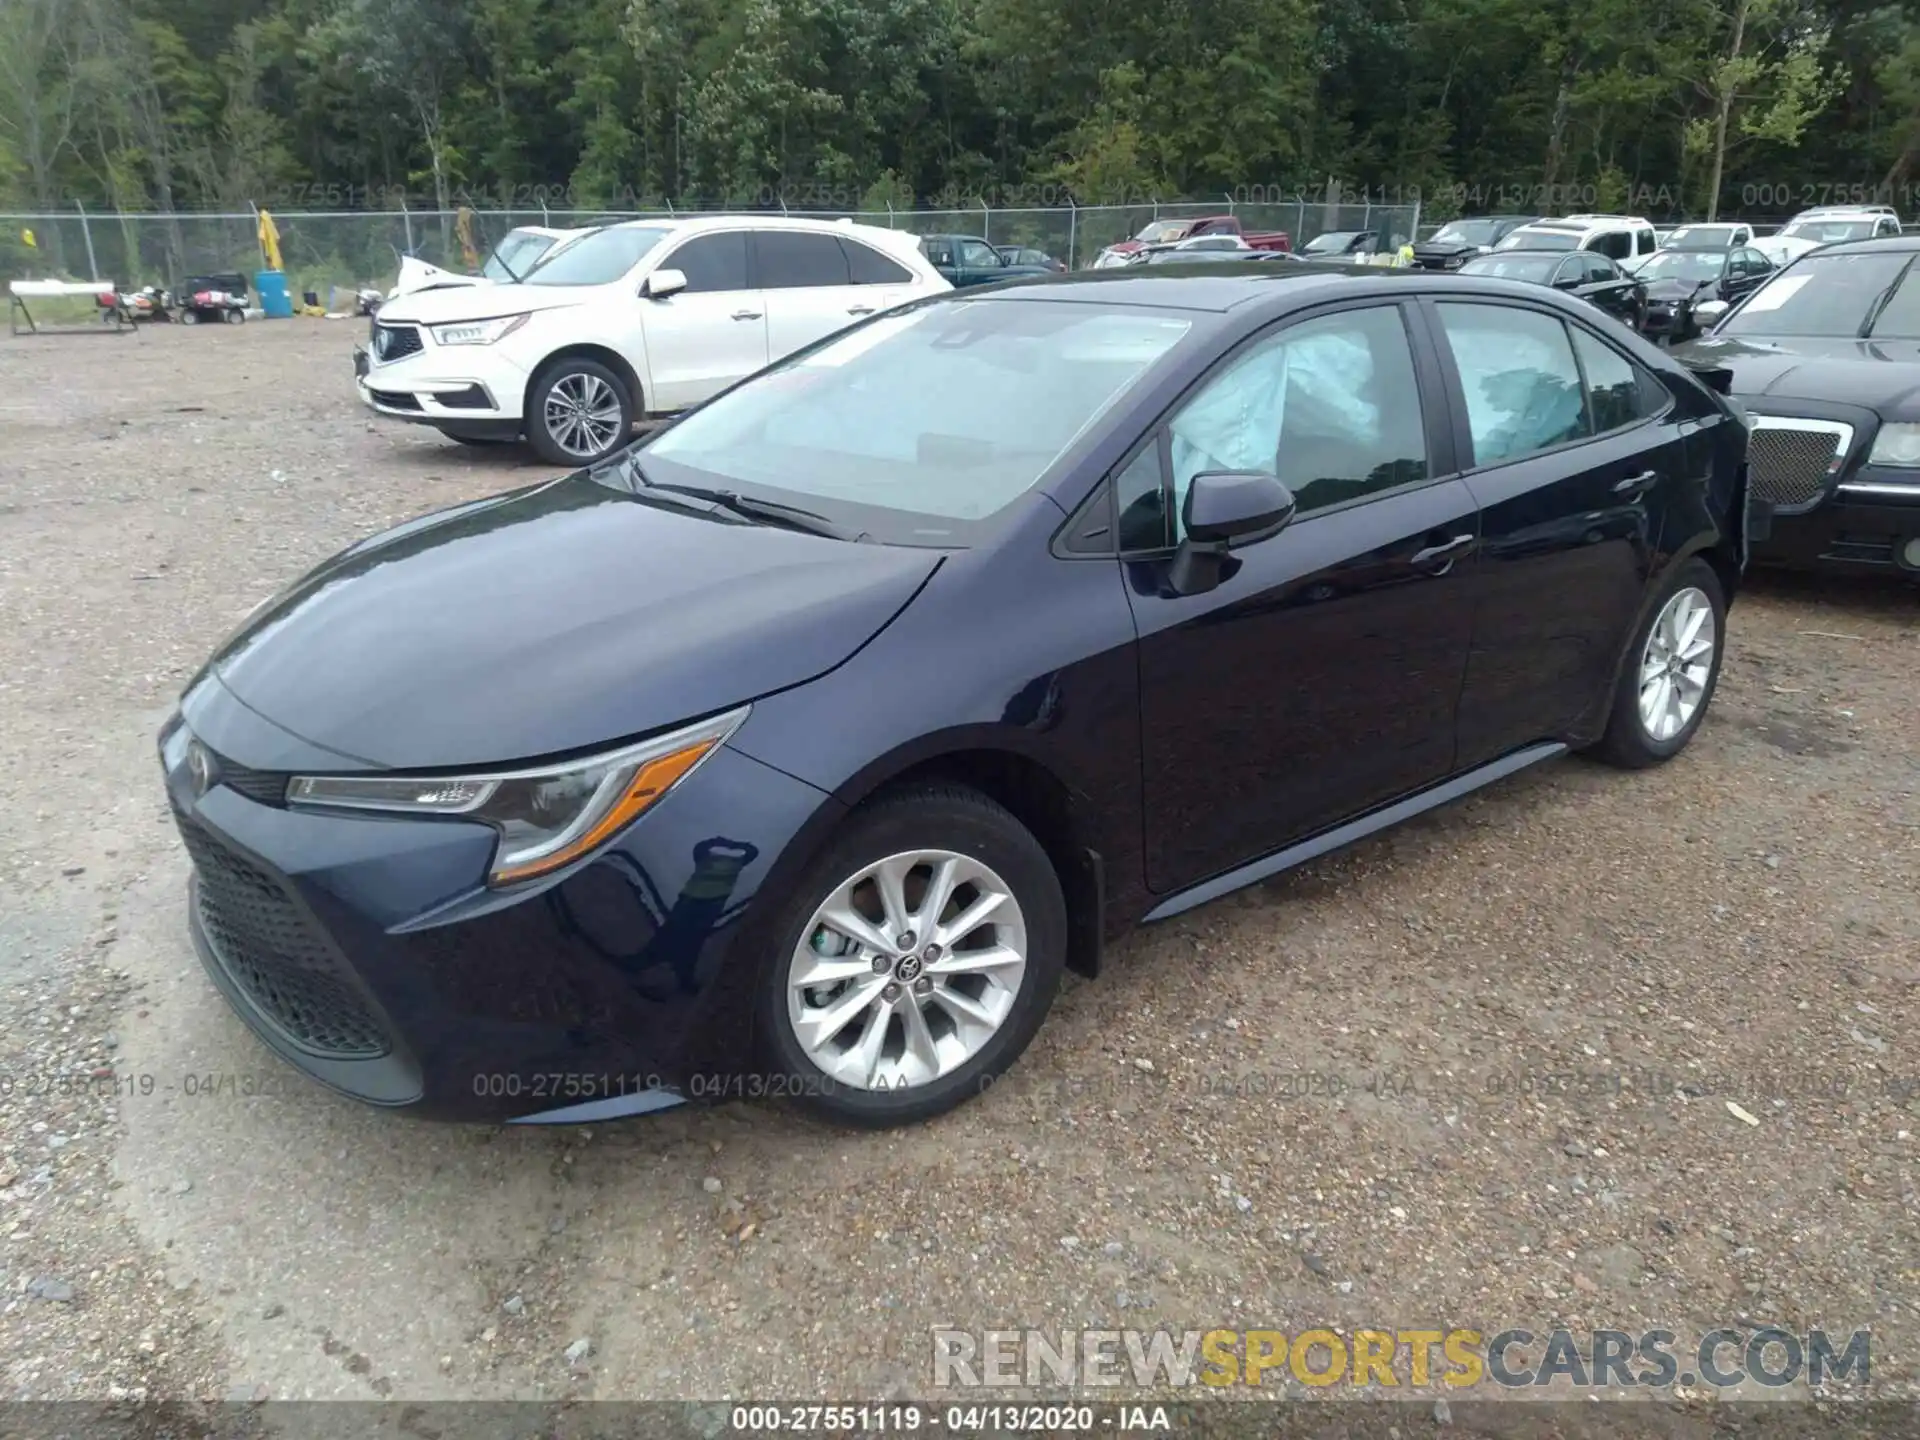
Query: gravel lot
point(1741, 924)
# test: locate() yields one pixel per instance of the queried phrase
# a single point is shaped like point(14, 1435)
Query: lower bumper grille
point(263, 940)
point(394, 399)
point(1795, 461)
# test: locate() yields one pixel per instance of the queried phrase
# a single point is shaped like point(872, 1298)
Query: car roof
point(1236, 285)
point(1899, 244)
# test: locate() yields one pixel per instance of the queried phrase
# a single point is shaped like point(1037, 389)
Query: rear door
point(1573, 453)
point(707, 336)
point(879, 281)
point(1747, 270)
point(808, 285)
point(978, 263)
point(1320, 678)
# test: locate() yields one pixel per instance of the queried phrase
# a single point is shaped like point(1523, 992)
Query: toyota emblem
point(199, 768)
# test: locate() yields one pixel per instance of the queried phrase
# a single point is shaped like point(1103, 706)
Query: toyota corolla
point(800, 748)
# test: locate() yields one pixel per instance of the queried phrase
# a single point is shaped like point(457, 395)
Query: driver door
point(1320, 678)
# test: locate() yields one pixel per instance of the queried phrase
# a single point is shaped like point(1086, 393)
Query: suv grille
point(269, 787)
point(396, 342)
point(1792, 461)
point(272, 952)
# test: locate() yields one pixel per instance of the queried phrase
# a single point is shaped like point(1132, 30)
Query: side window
point(869, 267)
point(978, 255)
point(1140, 498)
point(1888, 226)
point(792, 260)
point(1518, 374)
point(938, 252)
point(712, 262)
point(1648, 243)
point(1330, 406)
point(1570, 271)
point(1614, 244)
point(1617, 392)
point(1601, 268)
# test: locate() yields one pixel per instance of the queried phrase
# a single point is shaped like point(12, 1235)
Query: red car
point(1166, 232)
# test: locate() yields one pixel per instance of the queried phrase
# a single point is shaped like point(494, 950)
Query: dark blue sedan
point(800, 748)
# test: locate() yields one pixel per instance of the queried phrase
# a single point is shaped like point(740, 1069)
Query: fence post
point(986, 223)
point(545, 219)
point(1073, 217)
point(1413, 232)
point(1229, 195)
point(406, 220)
point(890, 221)
point(86, 232)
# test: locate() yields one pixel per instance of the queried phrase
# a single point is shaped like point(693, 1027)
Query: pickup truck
point(1166, 232)
point(968, 260)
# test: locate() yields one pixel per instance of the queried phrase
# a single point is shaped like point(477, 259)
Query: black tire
point(481, 441)
point(579, 372)
point(189, 317)
point(948, 818)
point(236, 317)
point(1628, 743)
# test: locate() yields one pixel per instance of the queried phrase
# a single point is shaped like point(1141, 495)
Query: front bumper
point(466, 385)
point(367, 951)
point(1870, 523)
point(1667, 321)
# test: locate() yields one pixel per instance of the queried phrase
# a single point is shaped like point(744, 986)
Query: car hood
point(1882, 375)
point(553, 620)
point(482, 302)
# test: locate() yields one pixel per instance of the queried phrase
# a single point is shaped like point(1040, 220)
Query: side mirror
point(1707, 312)
point(1226, 510)
point(662, 283)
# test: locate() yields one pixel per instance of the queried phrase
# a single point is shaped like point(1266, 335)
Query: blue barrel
point(275, 299)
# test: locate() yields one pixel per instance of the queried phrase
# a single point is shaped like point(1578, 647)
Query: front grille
point(396, 342)
point(263, 940)
point(1794, 461)
point(269, 787)
point(394, 399)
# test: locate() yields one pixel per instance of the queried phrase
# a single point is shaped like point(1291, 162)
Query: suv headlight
point(1898, 446)
point(478, 332)
point(547, 818)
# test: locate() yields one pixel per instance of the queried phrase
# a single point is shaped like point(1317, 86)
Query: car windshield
point(1832, 296)
point(1540, 240)
point(1701, 237)
point(1161, 231)
point(1685, 265)
point(598, 259)
point(1535, 268)
point(1829, 232)
point(918, 424)
point(516, 254)
point(1332, 240)
point(1466, 232)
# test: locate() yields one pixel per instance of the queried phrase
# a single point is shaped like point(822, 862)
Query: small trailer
point(102, 292)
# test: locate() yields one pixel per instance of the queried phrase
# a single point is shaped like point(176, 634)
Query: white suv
point(642, 318)
point(1828, 225)
point(1626, 239)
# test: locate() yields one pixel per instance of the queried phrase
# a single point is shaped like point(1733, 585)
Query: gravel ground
point(1478, 1069)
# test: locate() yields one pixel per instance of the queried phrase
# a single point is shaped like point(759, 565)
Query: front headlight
point(477, 332)
point(1898, 446)
point(547, 817)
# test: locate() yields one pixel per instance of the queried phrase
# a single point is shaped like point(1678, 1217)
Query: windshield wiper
point(770, 512)
point(1880, 302)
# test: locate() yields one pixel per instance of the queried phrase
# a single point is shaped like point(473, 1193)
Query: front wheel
point(578, 411)
point(1670, 674)
point(915, 961)
point(190, 317)
point(236, 317)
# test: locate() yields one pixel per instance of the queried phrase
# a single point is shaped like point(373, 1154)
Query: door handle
point(860, 310)
point(1441, 555)
point(1637, 485)
point(746, 314)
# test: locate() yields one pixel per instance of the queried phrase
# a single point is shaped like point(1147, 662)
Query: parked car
point(1828, 225)
point(1677, 281)
point(801, 749)
point(1713, 236)
point(1823, 357)
point(1166, 232)
point(1028, 255)
point(1330, 244)
point(968, 260)
point(1584, 273)
point(1210, 255)
point(1458, 241)
point(1623, 239)
point(519, 250)
point(643, 318)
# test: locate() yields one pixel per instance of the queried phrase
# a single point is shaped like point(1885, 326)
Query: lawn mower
point(213, 298)
point(148, 305)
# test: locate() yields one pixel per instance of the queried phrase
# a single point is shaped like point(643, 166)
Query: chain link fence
point(330, 254)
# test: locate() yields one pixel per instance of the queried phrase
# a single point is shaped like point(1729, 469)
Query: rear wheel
point(578, 411)
point(1670, 674)
point(189, 317)
point(915, 961)
point(236, 317)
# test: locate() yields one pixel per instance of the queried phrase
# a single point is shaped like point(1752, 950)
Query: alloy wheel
point(582, 415)
point(906, 970)
point(1677, 664)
